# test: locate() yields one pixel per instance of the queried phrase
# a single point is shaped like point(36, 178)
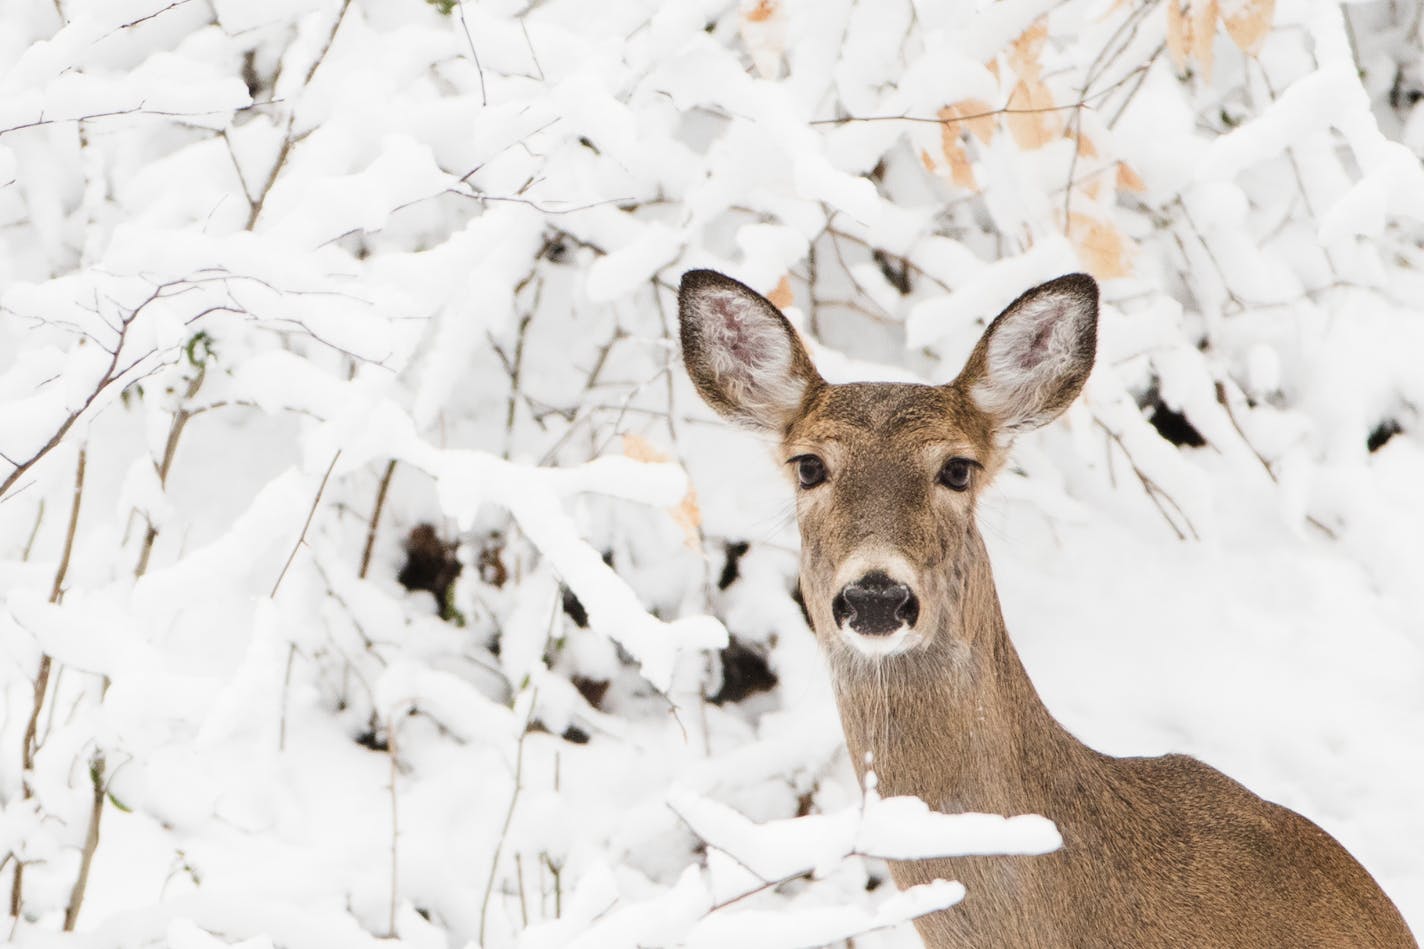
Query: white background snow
point(263, 262)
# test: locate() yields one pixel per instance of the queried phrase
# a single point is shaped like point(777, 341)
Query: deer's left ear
point(1032, 361)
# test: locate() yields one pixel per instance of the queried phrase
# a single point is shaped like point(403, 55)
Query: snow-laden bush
point(370, 570)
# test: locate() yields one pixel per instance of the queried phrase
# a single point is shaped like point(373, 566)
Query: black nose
point(875, 605)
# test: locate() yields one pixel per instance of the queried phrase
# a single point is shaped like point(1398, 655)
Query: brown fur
point(1157, 852)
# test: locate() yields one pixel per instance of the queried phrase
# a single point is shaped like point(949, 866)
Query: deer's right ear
point(741, 353)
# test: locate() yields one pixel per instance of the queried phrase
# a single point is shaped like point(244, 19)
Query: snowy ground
point(280, 282)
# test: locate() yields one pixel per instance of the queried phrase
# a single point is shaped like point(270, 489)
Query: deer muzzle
point(875, 605)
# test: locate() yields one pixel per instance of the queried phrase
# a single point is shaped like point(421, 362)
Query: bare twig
point(508, 814)
point(28, 745)
point(484, 99)
point(170, 447)
point(376, 518)
point(1005, 110)
point(395, 826)
point(256, 204)
point(91, 842)
point(302, 537)
point(1153, 490)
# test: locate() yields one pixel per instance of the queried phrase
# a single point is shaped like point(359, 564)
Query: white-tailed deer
point(1160, 852)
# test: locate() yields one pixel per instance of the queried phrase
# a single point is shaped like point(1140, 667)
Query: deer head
point(887, 475)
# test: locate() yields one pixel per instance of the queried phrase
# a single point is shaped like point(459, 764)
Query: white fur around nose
point(748, 352)
point(1028, 356)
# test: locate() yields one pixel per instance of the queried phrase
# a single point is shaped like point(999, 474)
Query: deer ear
point(741, 353)
point(1032, 361)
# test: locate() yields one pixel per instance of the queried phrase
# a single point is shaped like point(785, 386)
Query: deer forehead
point(891, 420)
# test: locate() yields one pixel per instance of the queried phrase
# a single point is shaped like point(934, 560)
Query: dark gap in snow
point(744, 672)
point(576, 735)
point(735, 550)
point(555, 249)
point(586, 142)
point(896, 271)
point(573, 607)
point(490, 564)
point(804, 804)
point(1382, 433)
point(1174, 426)
point(373, 737)
point(249, 74)
point(430, 565)
point(801, 602)
point(592, 690)
point(872, 883)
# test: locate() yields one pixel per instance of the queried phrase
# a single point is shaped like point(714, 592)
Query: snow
point(381, 269)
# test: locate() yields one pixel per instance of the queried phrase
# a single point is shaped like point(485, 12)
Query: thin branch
point(395, 825)
point(170, 447)
point(257, 204)
point(376, 518)
point(302, 537)
point(1153, 490)
point(1006, 110)
point(28, 746)
point(508, 814)
point(484, 99)
point(91, 843)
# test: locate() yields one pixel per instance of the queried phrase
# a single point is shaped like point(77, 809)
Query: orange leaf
point(640, 449)
point(927, 160)
point(1101, 246)
point(1025, 53)
point(1203, 35)
point(1127, 179)
point(686, 514)
point(764, 10)
point(1032, 126)
point(781, 297)
point(1179, 34)
point(1086, 148)
point(1247, 22)
point(974, 114)
point(960, 171)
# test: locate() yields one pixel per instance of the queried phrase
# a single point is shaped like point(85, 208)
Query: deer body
point(1156, 851)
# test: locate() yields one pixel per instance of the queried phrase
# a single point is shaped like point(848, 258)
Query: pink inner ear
point(1036, 345)
point(740, 343)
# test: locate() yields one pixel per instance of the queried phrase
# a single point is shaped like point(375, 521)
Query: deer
point(1156, 851)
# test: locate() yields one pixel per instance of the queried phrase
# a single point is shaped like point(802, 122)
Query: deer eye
point(810, 470)
point(957, 473)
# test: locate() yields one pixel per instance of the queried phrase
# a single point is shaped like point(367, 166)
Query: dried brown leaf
point(1247, 22)
point(763, 11)
point(976, 115)
point(781, 297)
point(1128, 179)
point(686, 514)
point(1031, 125)
point(1203, 13)
point(960, 171)
point(1026, 52)
point(1179, 34)
point(1101, 246)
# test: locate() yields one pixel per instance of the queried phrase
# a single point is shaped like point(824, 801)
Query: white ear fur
point(1037, 354)
point(741, 353)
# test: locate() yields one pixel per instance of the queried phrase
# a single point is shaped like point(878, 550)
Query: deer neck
point(957, 722)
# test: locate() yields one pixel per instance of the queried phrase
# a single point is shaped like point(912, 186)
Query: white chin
point(876, 647)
